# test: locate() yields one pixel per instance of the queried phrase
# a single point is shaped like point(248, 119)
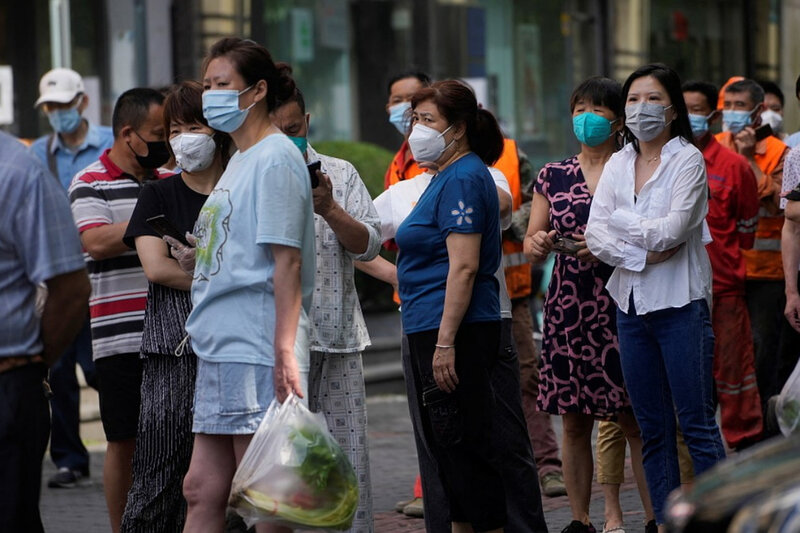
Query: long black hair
point(671, 82)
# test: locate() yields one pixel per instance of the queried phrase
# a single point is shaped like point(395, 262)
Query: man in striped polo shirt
point(103, 196)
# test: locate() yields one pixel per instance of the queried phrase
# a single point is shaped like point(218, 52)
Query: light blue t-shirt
point(70, 162)
point(263, 198)
point(38, 241)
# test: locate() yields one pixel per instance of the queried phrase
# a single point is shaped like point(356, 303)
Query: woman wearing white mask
point(253, 275)
point(164, 440)
point(449, 252)
point(647, 220)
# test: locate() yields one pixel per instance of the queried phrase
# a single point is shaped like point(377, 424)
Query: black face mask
point(157, 154)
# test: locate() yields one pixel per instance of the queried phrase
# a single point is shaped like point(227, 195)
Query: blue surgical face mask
point(591, 129)
point(221, 109)
point(736, 121)
point(300, 142)
point(699, 124)
point(400, 117)
point(65, 120)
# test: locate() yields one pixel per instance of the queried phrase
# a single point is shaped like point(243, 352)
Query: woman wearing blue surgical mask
point(580, 377)
point(253, 274)
point(164, 438)
point(648, 221)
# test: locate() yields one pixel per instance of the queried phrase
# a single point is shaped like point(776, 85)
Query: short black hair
point(747, 86)
point(770, 87)
point(600, 91)
point(423, 78)
point(133, 106)
point(709, 90)
point(296, 96)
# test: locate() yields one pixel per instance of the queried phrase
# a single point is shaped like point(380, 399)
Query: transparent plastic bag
point(788, 405)
point(294, 473)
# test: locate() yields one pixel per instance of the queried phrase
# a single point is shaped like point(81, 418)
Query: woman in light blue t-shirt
point(253, 275)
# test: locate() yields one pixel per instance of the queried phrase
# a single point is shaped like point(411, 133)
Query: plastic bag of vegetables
point(788, 406)
point(294, 473)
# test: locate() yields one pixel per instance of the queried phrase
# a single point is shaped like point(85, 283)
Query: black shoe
point(651, 527)
point(65, 479)
point(576, 526)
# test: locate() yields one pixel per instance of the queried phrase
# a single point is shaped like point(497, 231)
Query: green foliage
point(370, 160)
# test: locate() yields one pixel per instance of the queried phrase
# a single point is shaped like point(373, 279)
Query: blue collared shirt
point(70, 162)
point(38, 241)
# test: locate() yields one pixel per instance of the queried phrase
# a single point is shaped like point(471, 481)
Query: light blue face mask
point(65, 120)
point(736, 121)
point(399, 116)
point(591, 129)
point(699, 124)
point(221, 109)
point(300, 142)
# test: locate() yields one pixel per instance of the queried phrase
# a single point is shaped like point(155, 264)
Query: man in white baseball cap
point(73, 145)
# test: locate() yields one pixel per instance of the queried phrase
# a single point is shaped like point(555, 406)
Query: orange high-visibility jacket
point(764, 260)
point(515, 265)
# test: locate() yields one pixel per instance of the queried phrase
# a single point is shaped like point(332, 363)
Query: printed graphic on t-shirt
point(211, 230)
point(463, 213)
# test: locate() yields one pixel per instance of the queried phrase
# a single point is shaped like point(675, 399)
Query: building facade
point(522, 56)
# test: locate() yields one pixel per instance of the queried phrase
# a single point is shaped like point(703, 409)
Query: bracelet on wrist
point(445, 346)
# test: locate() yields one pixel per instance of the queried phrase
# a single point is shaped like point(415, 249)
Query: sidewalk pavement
point(393, 469)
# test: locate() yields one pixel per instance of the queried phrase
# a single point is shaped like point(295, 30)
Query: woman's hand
point(444, 368)
point(185, 255)
point(654, 258)
point(583, 254)
point(286, 377)
point(538, 245)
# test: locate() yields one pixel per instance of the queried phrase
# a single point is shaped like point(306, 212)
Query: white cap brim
point(58, 97)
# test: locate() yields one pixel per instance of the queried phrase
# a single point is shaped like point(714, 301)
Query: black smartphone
point(566, 245)
point(312, 173)
point(762, 132)
point(162, 226)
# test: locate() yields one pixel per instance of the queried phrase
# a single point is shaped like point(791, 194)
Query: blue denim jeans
point(667, 358)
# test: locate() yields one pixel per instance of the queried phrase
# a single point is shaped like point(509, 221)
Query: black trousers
point(510, 437)
point(24, 431)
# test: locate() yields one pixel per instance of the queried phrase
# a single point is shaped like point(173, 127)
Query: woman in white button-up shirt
point(647, 219)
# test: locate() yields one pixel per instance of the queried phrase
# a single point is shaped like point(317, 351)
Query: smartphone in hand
point(566, 245)
point(162, 226)
point(312, 173)
point(764, 131)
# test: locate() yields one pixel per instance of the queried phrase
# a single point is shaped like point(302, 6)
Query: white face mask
point(193, 151)
point(427, 144)
point(646, 120)
point(774, 119)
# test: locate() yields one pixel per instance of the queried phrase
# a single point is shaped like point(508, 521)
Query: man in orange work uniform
point(732, 218)
point(743, 103)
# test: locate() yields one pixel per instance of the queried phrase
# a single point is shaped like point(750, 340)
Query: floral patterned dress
point(579, 370)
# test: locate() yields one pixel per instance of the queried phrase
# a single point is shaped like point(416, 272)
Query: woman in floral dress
point(580, 373)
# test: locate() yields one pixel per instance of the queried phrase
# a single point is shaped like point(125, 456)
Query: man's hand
point(745, 142)
point(323, 195)
point(444, 369)
point(538, 245)
point(659, 257)
point(792, 310)
point(185, 255)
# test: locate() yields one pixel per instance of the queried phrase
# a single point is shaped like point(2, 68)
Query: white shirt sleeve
point(688, 205)
point(383, 205)
point(602, 242)
point(791, 173)
point(501, 183)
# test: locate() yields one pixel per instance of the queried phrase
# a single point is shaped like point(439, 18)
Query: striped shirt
point(103, 194)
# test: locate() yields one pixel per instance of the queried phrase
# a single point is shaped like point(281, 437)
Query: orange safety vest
point(402, 167)
point(515, 264)
point(764, 261)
